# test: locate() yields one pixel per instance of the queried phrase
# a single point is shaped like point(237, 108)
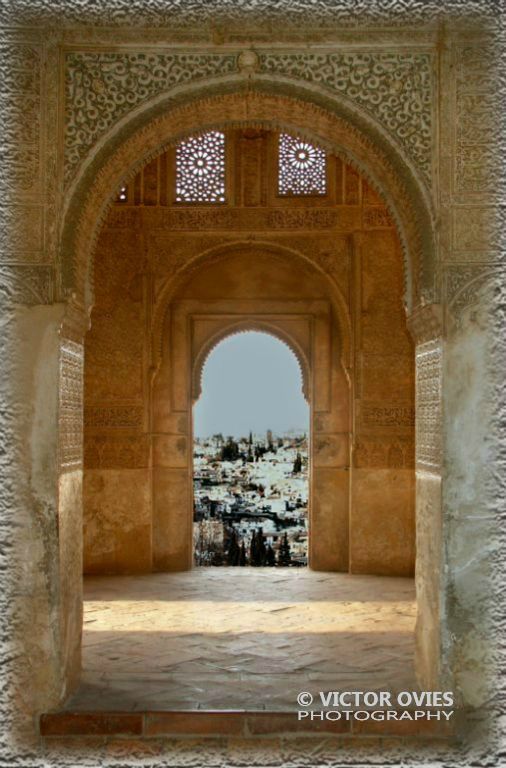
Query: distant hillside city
point(250, 500)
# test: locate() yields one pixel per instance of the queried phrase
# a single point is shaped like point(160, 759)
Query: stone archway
point(170, 440)
point(362, 432)
point(196, 319)
point(444, 214)
point(387, 171)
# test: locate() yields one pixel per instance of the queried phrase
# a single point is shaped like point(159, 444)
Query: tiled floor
point(234, 638)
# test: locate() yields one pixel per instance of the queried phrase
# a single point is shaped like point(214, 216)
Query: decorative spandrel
point(302, 167)
point(200, 169)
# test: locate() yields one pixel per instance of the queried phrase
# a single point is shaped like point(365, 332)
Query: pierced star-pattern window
point(200, 169)
point(302, 167)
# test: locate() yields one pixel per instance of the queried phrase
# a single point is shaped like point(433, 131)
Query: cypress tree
point(233, 549)
point(270, 557)
point(284, 556)
point(261, 551)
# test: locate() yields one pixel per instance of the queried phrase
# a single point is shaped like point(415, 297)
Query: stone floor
point(233, 638)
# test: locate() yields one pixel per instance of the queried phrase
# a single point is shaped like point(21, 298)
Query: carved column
point(70, 486)
point(426, 327)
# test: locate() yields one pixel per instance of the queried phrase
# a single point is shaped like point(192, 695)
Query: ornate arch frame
point(346, 131)
point(245, 326)
point(251, 244)
point(185, 331)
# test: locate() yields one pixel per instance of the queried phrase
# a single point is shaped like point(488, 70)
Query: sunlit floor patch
point(232, 638)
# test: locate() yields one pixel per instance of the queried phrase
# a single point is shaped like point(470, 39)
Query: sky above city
point(251, 381)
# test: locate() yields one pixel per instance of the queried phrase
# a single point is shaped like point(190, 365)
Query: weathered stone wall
point(146, 244)
point(449, 148)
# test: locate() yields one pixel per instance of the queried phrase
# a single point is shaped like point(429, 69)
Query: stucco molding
point(115, 164)
point(395, 87)
point(464, 285)
point(426, 323)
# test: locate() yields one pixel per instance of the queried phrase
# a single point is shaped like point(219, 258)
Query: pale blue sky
point(250, 381)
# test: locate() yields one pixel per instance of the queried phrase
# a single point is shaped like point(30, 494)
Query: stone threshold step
point(227, 723)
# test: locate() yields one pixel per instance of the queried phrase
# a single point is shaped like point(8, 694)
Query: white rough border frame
point(186, 15)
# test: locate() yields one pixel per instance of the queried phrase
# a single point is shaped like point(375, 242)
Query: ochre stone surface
point(444, 208)
point(117, 533)
point(382, 521)
point(325, 275)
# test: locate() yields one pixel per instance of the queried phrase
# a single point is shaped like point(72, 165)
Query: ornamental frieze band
point(235, 219)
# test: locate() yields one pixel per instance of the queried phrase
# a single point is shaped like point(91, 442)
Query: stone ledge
point(92, 724)
point(229, 723)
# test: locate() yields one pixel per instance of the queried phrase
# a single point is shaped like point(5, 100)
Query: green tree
point(233, 551)
point(284, 555)
point(270, 557)
point(230, 451)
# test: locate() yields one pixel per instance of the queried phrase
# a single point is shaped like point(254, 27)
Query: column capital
point(426, 323)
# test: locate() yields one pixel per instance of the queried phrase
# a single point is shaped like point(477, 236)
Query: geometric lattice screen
point(200, 169)
point(302, 167)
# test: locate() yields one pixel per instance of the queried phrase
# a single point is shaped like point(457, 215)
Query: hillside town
point(251, 500)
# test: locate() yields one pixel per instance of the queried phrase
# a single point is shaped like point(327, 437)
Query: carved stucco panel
point(71, 405)
point(22, 233)
point(26, 284)
point(463, 287)
point(21, 213)
point(102, 87)
point(428, 406)
point(477, 120)
point(476, 228)
point(394, 87)
point(20, 119)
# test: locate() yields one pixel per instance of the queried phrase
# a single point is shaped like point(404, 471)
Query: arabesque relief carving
point(21, 233)
point(100, 88)
point(428, 406)
point(27, 284)
point(464, 284)
point(477, 120)
point(201, 218)
point(113, 416)
point(375, 415)
point(395, 87)
point(369, 453)
point(71, 405)
point(20, 120)
point(108, 451)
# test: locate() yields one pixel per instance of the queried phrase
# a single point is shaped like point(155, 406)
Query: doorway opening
point(251, 464)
